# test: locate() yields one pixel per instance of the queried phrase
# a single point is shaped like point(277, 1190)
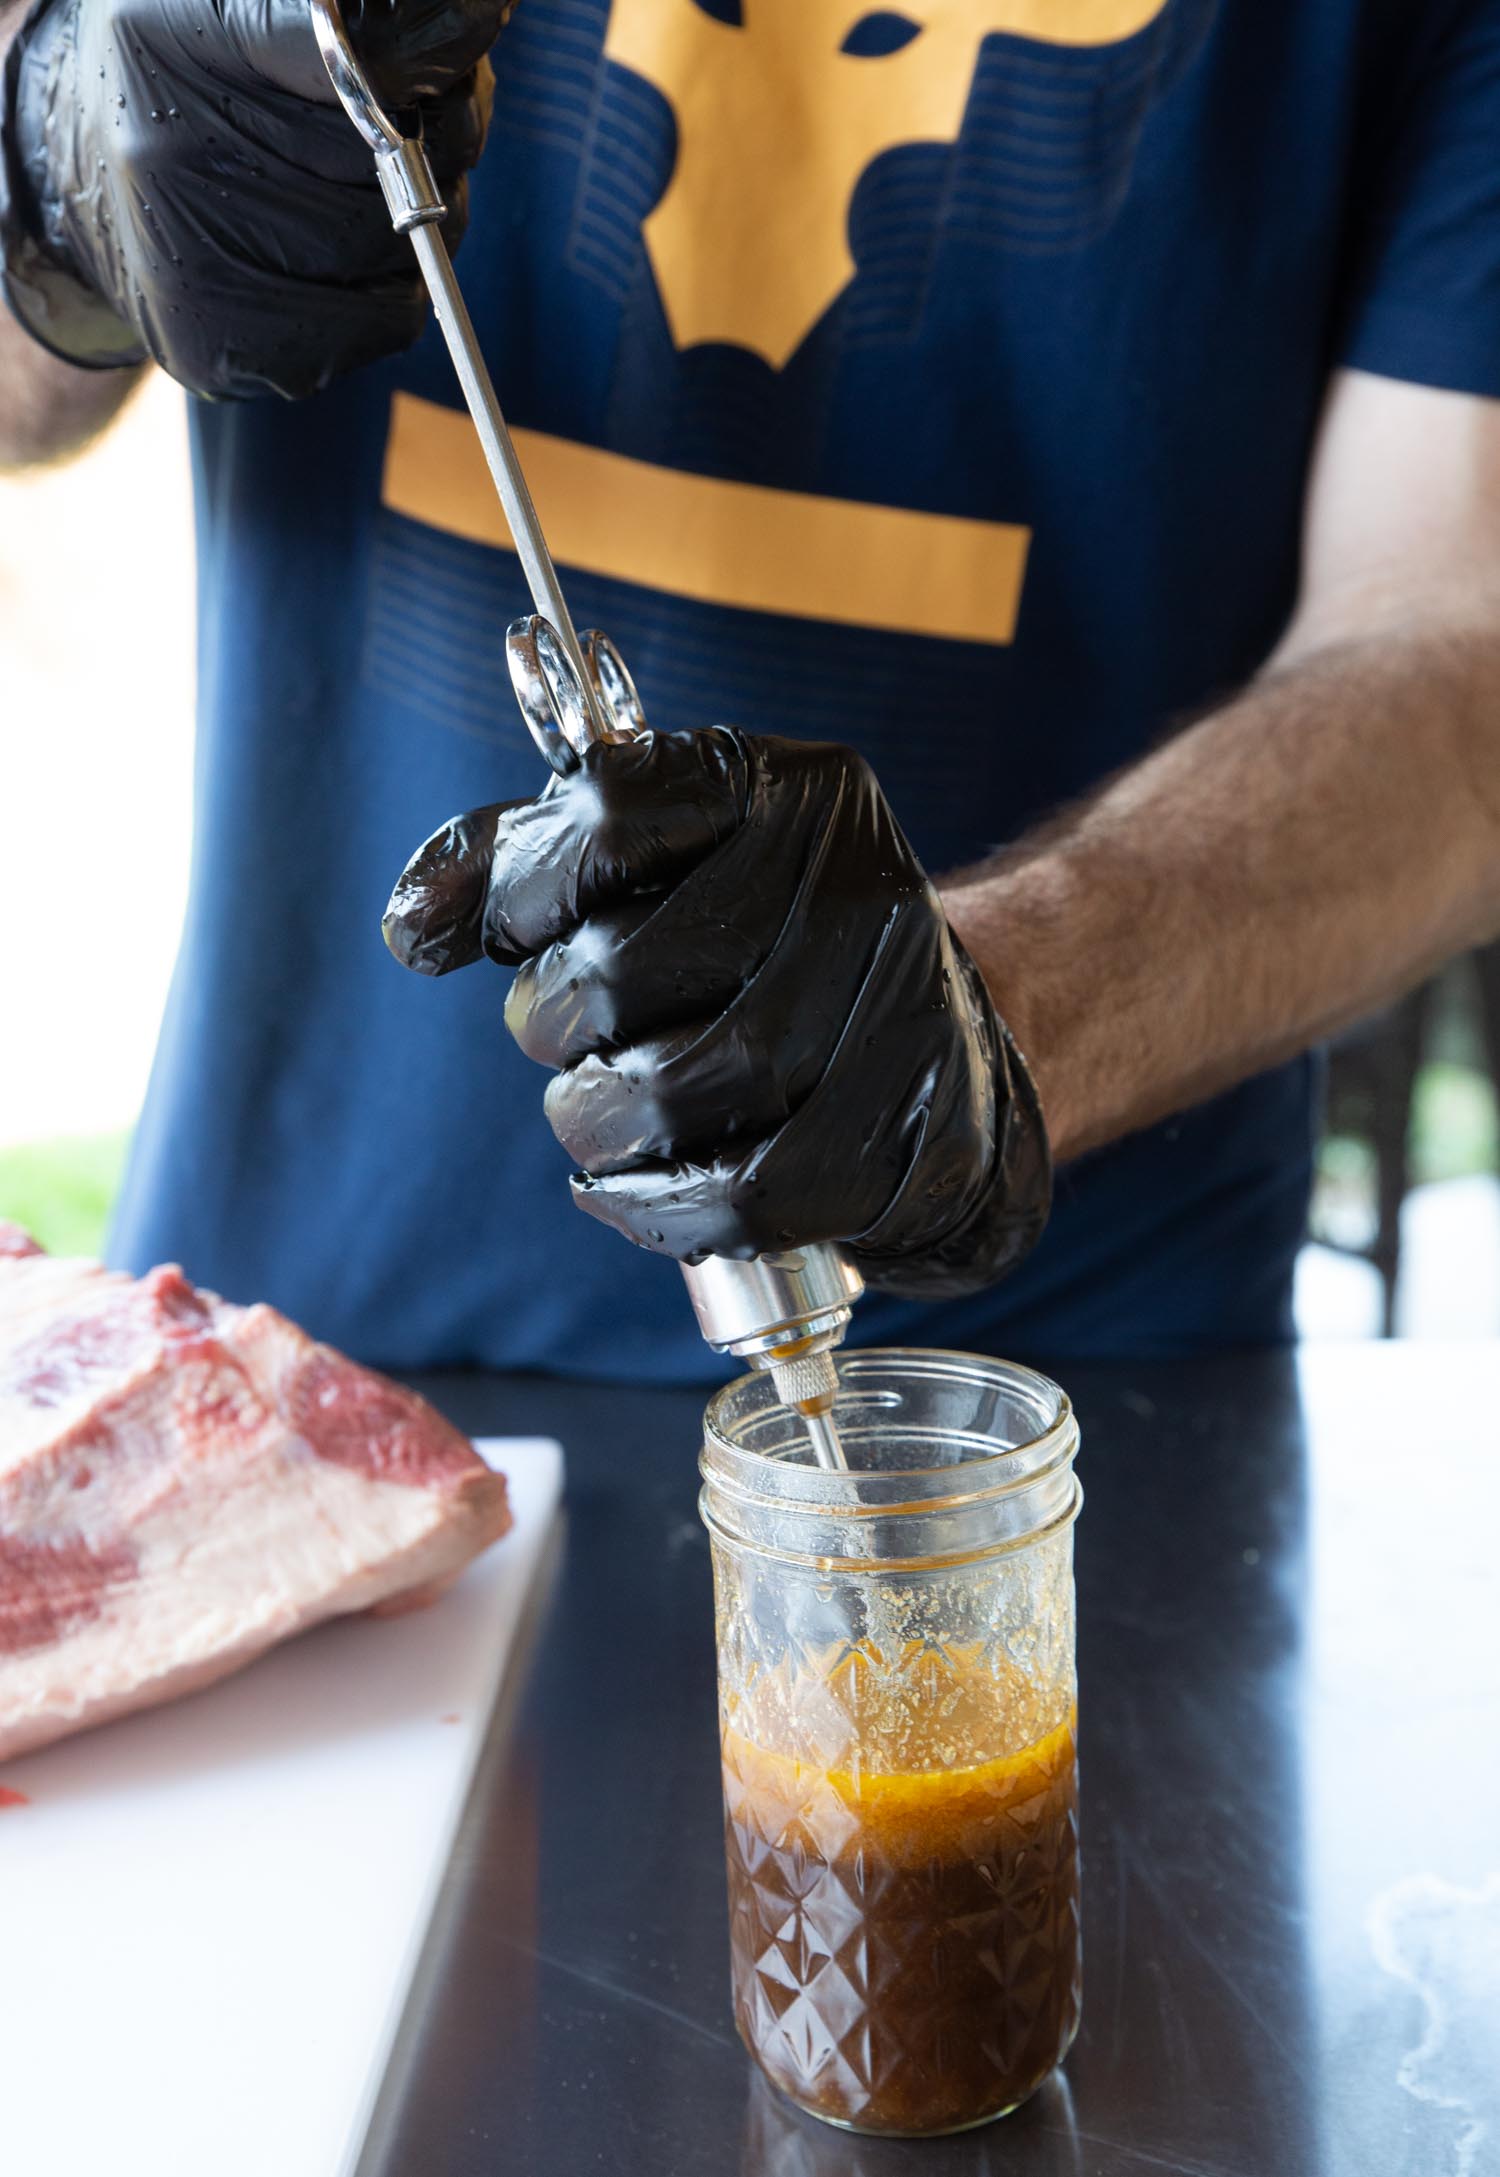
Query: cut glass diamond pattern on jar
point(897, 1706)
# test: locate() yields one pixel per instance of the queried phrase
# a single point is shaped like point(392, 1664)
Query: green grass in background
point(1454, 1128)
point(61, 1191)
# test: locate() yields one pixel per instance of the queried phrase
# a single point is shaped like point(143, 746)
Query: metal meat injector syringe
point(785, 1312)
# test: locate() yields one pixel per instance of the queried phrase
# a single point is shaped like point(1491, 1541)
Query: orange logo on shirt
point(776, 122)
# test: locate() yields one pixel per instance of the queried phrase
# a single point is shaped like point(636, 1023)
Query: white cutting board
point(209, 1914)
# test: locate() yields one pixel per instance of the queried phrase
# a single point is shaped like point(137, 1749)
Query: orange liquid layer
point(905, 1943)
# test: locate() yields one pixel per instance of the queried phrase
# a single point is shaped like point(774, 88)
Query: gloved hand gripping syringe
point(782, 1312)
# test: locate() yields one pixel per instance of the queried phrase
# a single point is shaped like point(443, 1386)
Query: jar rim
point(995, 1473)
point(885, 1566)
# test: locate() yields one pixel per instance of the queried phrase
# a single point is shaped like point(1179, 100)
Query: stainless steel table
point(1289, 1655)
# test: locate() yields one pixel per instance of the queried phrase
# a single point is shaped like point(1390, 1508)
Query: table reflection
point(779, 2141)
point(1192, 1573)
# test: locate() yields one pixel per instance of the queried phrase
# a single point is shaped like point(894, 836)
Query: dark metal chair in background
point(1486, 966)
point(1372, 1078)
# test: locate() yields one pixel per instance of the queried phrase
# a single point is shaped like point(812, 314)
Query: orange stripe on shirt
point(721, 543)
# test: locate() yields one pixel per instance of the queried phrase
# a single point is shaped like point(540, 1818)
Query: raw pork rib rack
point(184, 1483)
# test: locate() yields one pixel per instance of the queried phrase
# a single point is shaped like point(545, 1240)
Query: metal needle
point(824, 1438)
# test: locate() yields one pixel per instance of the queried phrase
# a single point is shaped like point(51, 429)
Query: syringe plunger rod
point(783, 1312)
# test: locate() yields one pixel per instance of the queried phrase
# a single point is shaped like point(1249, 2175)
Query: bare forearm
point(1274, 872)
point(47, 408)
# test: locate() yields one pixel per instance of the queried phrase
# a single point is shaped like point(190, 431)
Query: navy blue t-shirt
point(943, 387)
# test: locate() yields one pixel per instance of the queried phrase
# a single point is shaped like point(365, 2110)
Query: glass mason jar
point(897, 1707)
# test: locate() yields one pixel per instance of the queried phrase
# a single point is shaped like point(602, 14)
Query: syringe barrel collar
point(799, 1300)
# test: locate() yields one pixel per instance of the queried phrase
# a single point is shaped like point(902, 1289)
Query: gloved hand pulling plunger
point(765, 1032)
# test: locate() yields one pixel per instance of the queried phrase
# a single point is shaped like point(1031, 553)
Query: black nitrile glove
point(767, 1033)
point(176, 180)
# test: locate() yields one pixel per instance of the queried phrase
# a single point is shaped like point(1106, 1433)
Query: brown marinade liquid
point(905, 1944)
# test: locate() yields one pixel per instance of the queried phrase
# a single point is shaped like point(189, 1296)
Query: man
point(996, 389)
